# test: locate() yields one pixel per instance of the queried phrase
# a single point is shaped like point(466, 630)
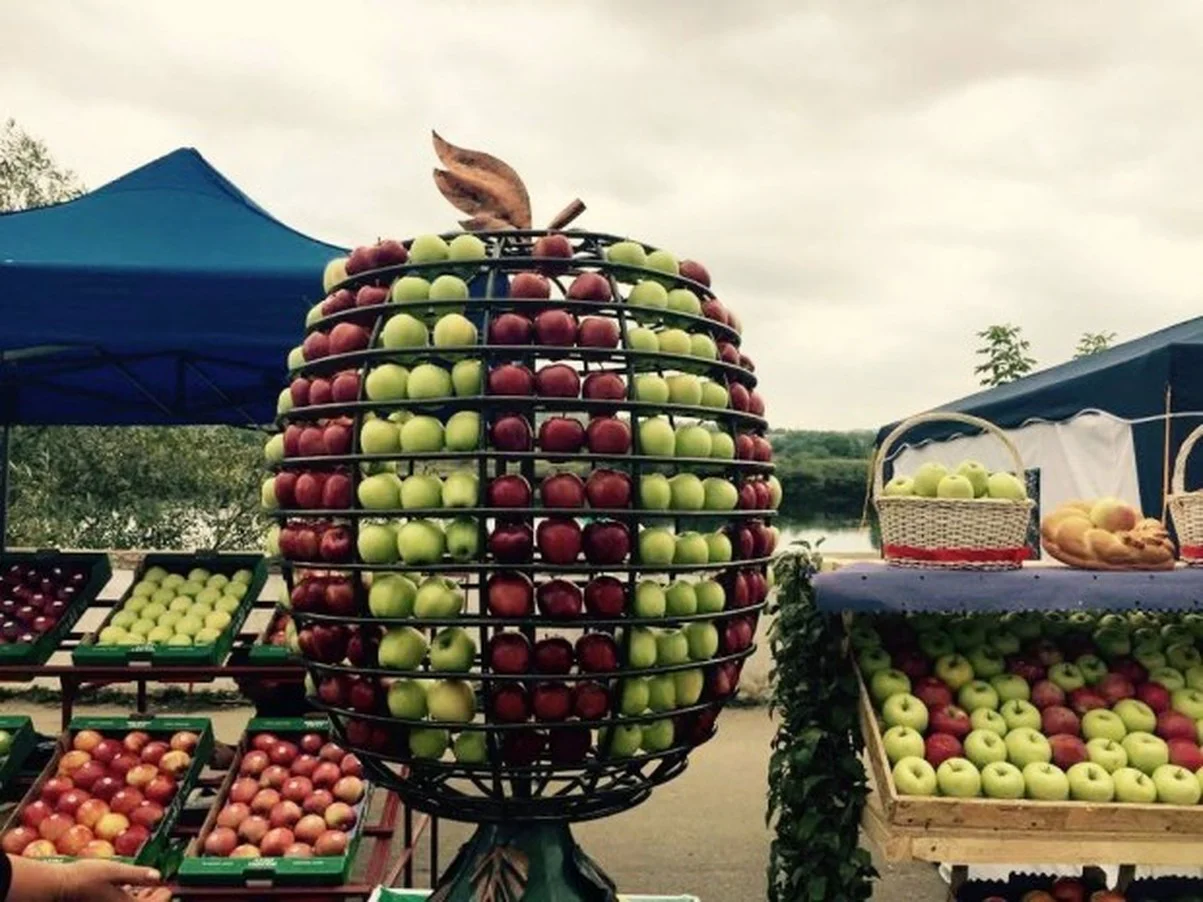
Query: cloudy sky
point(869, 182)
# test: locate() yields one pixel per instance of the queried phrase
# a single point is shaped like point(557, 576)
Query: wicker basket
point(1186, 508)
point(951, 533)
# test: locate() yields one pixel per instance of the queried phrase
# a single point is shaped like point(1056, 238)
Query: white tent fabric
point(1091, 455)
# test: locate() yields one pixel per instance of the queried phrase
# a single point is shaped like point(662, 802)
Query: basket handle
point(1178, 484)
point(939, 416)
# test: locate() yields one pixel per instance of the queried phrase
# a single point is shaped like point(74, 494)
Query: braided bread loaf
point(1106, 535)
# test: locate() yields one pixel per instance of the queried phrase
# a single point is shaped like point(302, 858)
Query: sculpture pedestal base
point(523, 862)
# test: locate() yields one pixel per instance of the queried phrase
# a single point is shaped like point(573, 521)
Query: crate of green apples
point(17, 740)
point(1035, 721)
point(180, 609)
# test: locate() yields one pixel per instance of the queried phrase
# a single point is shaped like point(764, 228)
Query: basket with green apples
point(962, 519)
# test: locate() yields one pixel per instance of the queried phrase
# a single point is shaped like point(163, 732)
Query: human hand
point(99, 880)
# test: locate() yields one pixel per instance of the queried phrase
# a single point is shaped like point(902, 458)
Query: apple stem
point(567, 215)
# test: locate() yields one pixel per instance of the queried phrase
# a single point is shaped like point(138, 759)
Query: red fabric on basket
point(1192, 551)
point(975, 555)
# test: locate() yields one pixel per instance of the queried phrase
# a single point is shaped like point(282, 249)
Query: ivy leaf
point(479, 184)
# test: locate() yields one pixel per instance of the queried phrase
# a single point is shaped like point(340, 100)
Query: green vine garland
point(817, 785)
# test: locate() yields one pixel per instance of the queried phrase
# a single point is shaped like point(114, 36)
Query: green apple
point(123, 620)
point(711, 596)
point(671, 647)
point(904, 710)
point(421, 542)
point(463, 539)
point(386, 382)
point(862, 636)
point(886, 683)
point(421, 435)
point(1088, 782)
point(902, 742)
point(703, 640)
point(674, 341)
point(467, 378)
point(1002, 780)
point(715, 395)
point(377, 543)
point(460, 489)
point(465, 249)
point(422, 490)
point(977, 475)
point(205, 636)
point(391, 595)
point(657, 438)
point(454, 330)
point(154, 611)
point(1183, 656)
point(977, 694)
point(111, 635)
point(650, 600)
point(402, 648)
point(463, 431)
point(682, 601)
point(954, 670)
point(198, 575)
point(172, 581)
point(452, 650)
point(651, 388)
point(693, 441)
point(655, 492)
point(954, 486)
point(217, 620)
point(986, 662)
point(379, 437)
point(722, 445)
point(899, 487)
point(404, 331)
point(623, 743)
point(684, 388)
point(428, 743)
point(145, 588)
point(171, 618)
point(1136, 715)
point(1187, 701)
point(1026, 745)
point(873, 660)
point(1045, 782)
point(969, 634)
point(913, 776)
point(1011, 687)
point(1019, 713)
point(683, 300)
point(378, 492)
point(1194, 677)
point(939, 645)
point(159, 635)
point(719, 547)
point(1146, 752)
point(1093, 668)
point(689, 685)
point(663, 261)
point(437, 598)
point(633, 697)
point(627, 253)
point(1168, 677)
point(661, 693)
point(703, 346)
point(1112, 642)
point(450, 701)
point(687, 492)
point(1103, 724)
point(470, 747)
point(429, 382)
point(1132, 786)
point(1006, 486)
point(927, 479)
point(1107, 753)
point(641, 648)
point(985, 746)
point(691, 548)
point(1066, 676)
point(138, 603)
point(178, 640)
point(657, 547)
point(428, 249)
point(188, 626)
point(155, 574)
point(166, 596)
point(191, 587)
point(1176, 785)
point(958, 778)
point(638, 339)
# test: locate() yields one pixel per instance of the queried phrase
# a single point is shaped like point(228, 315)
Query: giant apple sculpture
point(523, 496)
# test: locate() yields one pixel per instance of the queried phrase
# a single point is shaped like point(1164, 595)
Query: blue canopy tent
point(166, 297)
point(1109, 423)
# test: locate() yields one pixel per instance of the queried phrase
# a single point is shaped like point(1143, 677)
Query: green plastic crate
point(100, 570)
point(263, 653)
point(25, 739)
point(89, 652)
point(201, 870)
point(155, 845)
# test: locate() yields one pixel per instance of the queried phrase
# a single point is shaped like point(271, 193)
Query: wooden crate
point(1027, 817)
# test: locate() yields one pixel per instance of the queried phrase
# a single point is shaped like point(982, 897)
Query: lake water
point(838, 538)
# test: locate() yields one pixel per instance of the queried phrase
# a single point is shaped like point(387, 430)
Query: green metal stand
point(523, 862)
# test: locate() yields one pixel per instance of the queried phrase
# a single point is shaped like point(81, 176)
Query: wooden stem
point(567, 215)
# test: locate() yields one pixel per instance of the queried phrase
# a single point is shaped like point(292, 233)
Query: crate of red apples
point(42, 595)
point(290, 812)
point(112, 789)
point(1036, 888)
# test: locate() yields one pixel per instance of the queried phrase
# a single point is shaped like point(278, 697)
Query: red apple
point(511, 432)
point(933, 692)
point(125, 801)
point(1174, 725)
point(332, 843)
point(511, 379)
point(274, 776)
point(320, 392)
point(551, 702)
point(304, 765)
point(297, 789)
point(317, 802)
point(553, 248)
point(589, 286)
point(608, 489)
point(691, 269)
point(1046, 693)
point(315, 346)
point(233, 814)
point(53, 826)
point(73, 840)
point(87, 776)
point(1155, 696)
point(1058, 719)
point(1067, 750)
point(369, 296)
point(244, 789)
point(106, 787)
point(129, 842)
point(349, 790)
point(606, 542)
point(1186, 753)
point(253, 829)
point(340, 815)
point(608, 435)
point(332, 752)
point(35, 812)
point(562, 490)
point(264, 800)
point(299, 850)
point(509, 490)
point(590, 701)
point(91, 811)
point(391, 252)
point(161, 789)
point(553, 655)
point(598, 332)
point(15, 840)
point(68, 803)
point(1085, 699)
point(556, 328)
point(284, 814)
point(510, 595)
point(348, 337)
point(109, 749)
point(361, 259)
point(326, 774)
point(509, 652)
point(951, 720)
point(597, 653)
point(561, 435)
point(530, 286)
point(309, 828)
point(283, 753)
point(559, 540)
point(275, 841)
point(509, 703)
point(351, 766)
point(605, 596)
point(559, 599)
point(147, 815)
point(311, 743)
point(557, 380)
point(220, 842)
point(511, 329)
point(1114, 687)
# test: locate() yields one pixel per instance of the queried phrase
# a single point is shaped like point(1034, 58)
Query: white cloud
point(869, 183)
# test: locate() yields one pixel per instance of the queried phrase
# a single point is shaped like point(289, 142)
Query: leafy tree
point(1006, 353)
point(104, 487)
point(1093, 342)
point(29, 176)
